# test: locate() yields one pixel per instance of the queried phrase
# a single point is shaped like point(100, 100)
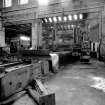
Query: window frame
point(25, 3)
point(5, 4)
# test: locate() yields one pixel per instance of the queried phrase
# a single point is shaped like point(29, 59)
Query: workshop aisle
point(79, 84)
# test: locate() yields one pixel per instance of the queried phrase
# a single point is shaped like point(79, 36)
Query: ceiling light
point(43, 2)
point(50, 20)
point(80, 16)
point(65, 18)
point(70, 17)
point(55, 19)
point(75, 17)
point(60, 19)
point(46, 20)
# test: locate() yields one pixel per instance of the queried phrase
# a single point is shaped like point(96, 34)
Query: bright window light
point(50, 20)
point(46, 20)
point(43, 2)
point(7, 3)
point(55, 19)
point(59, 18)
point(80, 16)
point(65, 18)
point(75, 17)
point(70, 17)
point(25, 38)
point(23, 2)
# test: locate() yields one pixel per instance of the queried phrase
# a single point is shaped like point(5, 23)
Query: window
point(7, 3)
point(23, 2)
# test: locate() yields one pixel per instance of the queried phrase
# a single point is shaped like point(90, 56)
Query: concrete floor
point(75, 84)
point(79, 84)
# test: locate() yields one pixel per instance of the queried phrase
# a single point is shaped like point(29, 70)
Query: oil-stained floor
point(79, 84)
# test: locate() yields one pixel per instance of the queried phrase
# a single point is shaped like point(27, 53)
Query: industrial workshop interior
point(52, 52)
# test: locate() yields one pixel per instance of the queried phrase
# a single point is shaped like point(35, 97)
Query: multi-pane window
point(7, 3)
point(21, 2)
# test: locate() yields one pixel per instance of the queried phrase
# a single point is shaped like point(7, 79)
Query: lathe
point(15, 77)
point(21, 76)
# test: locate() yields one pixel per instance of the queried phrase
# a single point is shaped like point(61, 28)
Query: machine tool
point(19, 76)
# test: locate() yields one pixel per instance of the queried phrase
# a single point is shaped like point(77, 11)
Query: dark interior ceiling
point(13, 29)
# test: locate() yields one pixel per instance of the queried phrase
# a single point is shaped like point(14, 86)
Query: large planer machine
point(15, 77)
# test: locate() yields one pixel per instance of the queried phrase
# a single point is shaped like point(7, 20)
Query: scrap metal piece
point(40, 94)
point(48, 99)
